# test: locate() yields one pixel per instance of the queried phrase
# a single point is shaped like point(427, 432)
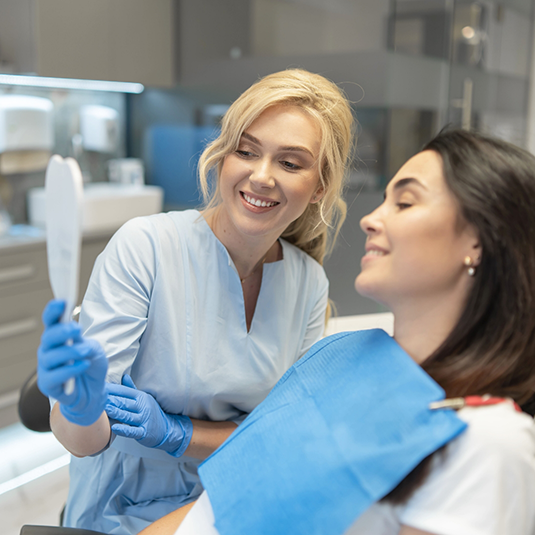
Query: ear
point(318, 195)
point(477, 251)
point(474, 249)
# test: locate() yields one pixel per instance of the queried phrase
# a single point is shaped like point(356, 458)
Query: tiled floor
point(26, 453)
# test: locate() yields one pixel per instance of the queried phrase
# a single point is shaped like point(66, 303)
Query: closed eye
point(403, 205)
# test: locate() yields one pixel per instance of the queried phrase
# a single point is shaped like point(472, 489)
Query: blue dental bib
point(338, 432)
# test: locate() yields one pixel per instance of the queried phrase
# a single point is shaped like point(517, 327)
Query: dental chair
point(34, 412)
point(55, 530)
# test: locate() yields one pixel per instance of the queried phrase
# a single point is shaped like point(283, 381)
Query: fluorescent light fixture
point(70, 83)
point(34, 474)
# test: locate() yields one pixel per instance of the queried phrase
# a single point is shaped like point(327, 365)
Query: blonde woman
point(196, 315)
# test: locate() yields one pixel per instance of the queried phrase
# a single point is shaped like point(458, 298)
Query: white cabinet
point(120, 40)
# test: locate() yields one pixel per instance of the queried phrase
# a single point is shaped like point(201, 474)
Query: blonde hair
point(315, 231)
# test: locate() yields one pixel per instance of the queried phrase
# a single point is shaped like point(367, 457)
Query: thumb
point(127, 381)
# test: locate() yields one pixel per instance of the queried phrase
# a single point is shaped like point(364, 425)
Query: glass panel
point(421, 28)
point(470, 33)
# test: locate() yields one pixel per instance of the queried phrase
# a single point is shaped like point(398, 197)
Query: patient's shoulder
point(498, 430)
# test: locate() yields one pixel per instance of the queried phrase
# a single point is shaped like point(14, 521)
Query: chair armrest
point(56, 530)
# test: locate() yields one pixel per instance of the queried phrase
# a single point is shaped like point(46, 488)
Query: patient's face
point(416, 241)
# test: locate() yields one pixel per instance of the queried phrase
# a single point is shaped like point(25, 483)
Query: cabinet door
point(122, 40)
point(23, 271)
point(24, 292)
point(20, 332)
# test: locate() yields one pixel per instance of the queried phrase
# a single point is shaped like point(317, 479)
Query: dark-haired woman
point(451, 251)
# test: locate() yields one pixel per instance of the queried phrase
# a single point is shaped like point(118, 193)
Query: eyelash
point(245, 153)
point(403, 205)
point(289, 166)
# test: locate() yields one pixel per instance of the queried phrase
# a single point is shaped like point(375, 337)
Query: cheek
point(231, 169)
point(428, 258)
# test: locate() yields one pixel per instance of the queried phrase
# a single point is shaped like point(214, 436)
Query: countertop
point(23, 236)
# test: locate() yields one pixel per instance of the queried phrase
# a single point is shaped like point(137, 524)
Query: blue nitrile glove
point(65, 353)
point(140, 417)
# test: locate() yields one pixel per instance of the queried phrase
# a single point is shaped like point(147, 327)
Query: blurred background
point(134, 89)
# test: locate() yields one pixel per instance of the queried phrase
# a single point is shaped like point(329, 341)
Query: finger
point(52, 379)
point(59, 334)
point(95, 347)
point(125, 404)
point(128, 432)
point(53, 312)
point(60, 356)
point(127, 381)
point(125, 417)
point(122, 391)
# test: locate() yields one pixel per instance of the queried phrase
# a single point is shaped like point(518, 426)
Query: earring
point(468, 262)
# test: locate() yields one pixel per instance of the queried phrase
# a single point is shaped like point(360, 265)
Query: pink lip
point(373, 247)
point(254, 208)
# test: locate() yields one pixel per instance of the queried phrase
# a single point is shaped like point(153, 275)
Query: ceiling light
point(70, 83)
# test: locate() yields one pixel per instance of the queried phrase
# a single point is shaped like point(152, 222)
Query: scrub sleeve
point(166, 303)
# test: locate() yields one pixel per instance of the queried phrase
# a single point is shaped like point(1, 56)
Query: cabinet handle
point(16, 273)
point(18, 327)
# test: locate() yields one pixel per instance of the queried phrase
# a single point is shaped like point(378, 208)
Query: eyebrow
point(404, 182)
point(287, 148)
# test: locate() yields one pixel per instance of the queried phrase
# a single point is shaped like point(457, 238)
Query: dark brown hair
point(491, 350)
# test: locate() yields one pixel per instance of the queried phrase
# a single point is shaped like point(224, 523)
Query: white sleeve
point(316, 322)
point(484, 482)
point(116, 303)
point(200, 519)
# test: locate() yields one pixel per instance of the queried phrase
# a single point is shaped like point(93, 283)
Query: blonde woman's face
point(273, 175)
point(415, 248)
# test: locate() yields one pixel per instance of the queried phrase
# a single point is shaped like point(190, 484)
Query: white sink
point(106, 205)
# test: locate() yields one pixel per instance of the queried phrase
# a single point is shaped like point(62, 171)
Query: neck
point(421, 326)
point(248, 254)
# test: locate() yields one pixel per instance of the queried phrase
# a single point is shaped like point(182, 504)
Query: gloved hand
point(140, 417)
point(65, 353)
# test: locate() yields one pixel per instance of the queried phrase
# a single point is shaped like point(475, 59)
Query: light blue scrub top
point(165, 301)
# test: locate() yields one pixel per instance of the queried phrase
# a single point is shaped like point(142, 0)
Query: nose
point(370, 223)
point(261, 174)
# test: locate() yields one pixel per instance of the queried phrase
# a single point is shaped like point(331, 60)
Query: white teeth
point(375, 252)
point(258, 202)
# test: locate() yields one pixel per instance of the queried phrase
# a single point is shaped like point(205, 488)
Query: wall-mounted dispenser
point(99, 128)
point(26, 133)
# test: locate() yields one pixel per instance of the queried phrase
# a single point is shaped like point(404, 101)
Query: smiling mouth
point(374, 252)
point(257, 202)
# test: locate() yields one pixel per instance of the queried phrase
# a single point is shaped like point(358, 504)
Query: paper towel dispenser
point(26, 133)
point(99, 128)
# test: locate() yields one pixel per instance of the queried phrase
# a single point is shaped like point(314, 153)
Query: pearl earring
point(468, 262)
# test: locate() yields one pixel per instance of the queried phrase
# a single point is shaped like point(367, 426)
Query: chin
point(366, 288)
point(361, 286)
